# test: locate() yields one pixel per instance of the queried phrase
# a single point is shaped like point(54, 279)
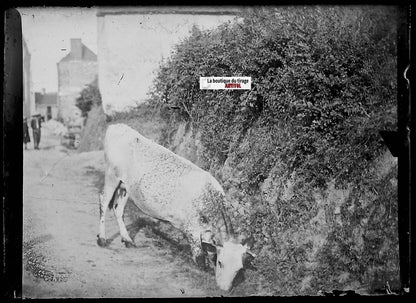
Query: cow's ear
point(209, 247)
point(209, 241)
point(248, 257)
point(218, 242)
point(248, 242)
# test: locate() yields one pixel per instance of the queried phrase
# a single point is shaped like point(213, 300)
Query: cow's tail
point(119, 191)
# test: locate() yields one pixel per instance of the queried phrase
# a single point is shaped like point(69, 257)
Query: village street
point(60, 255)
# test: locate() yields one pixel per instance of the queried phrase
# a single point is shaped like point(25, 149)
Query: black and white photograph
point(212, 151)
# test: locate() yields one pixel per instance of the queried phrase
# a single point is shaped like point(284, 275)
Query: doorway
point(48, 113)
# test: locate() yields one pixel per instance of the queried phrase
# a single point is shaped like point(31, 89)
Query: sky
point(47, 32)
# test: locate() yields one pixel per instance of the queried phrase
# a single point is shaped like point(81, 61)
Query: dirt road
point(60, 254)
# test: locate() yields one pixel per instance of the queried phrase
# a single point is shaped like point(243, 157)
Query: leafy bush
point(90, 97)
point(321, 71)
point(323, 85)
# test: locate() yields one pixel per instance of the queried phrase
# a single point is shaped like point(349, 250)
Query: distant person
point(26, 137)
point(41, 119)
point(36, 125)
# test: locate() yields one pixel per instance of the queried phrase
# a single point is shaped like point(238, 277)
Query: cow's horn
point(251, 253)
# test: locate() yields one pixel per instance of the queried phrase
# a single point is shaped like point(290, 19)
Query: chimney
point(43, 91)
point(76, 49)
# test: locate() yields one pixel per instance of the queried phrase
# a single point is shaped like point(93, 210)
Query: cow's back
point(135, 155)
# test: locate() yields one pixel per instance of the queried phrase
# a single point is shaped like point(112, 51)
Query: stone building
point(28, 96)
point(75, 71)
point(133, 40)
point(46, 104)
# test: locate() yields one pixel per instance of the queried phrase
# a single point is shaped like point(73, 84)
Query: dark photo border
point(401, 142)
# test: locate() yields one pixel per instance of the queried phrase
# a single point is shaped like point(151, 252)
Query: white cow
point(168, 187)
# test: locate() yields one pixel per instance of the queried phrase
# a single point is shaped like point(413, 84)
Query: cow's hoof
point(101, 242)
point(129, 244)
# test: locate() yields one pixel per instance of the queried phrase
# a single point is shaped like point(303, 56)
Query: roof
point(87, 55)
point(46, 99)
point(195, 10)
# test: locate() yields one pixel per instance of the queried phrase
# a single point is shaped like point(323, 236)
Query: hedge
point(323, 85)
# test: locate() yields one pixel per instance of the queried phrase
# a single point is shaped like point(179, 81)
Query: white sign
point(224, 82)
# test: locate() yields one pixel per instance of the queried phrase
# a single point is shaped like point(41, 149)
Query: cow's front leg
point(118, 212)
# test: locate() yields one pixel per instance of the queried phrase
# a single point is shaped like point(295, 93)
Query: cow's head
point(230, 257)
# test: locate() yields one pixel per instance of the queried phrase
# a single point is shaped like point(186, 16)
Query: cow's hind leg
point(105, 198)
point(119, 211)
